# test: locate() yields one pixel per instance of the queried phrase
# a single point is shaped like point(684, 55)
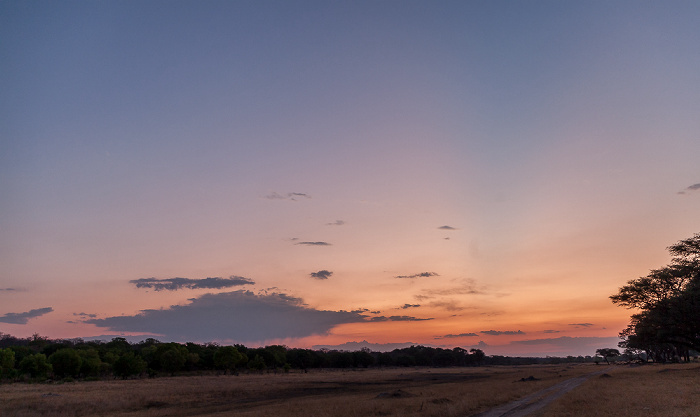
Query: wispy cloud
point(85, 315)
point(23, 318)
point(398, 318)
point(447, 228)
point(419, 275)
point(322, 274)
point(240, 315)
point(500, 333)
point(581, 324)
point(9, 289)
point(174, 284)
point(691, 188)
point(287, 196)
point(405, 306)
point(551, 331)
point(454, 336)
point(336, 223)
point(314, 243)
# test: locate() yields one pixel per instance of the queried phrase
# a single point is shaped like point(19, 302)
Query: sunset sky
point(316, 173)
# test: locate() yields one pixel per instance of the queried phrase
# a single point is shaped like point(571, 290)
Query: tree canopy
point(667, 325)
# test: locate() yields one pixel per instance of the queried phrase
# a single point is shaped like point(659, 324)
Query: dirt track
point(538, 400)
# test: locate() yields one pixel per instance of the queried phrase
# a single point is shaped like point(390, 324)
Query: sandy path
point(539, 399)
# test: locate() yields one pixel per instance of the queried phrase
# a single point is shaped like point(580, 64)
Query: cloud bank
point(240, 315)
point(23, 318)
point(174, 284)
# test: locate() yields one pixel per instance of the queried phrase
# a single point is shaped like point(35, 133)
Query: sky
point(343, 173)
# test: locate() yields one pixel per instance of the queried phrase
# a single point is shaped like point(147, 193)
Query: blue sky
point(557, 140)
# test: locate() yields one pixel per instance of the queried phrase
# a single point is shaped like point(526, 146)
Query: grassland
point(647, 390)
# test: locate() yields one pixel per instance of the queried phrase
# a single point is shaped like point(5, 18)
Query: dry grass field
point(650, 390)
point(387, 392)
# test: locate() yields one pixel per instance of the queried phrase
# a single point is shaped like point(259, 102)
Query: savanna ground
point(652, 390)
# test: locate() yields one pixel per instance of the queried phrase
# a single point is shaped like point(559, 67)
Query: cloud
point(314, 243)
point(398, 318)
point(454, 336)
point(240, 315)
point(287, 196)
point(691, 188)
point(465, 286)
point(23, 318)
point(336, 223)
point(581, 324)
point(449, 305)
point(85, 315)
point(405, 306)
point(499, 333)
point(9, 289)
point(447, 228)
point(322, 274)
point(551, 331)
point(174, 284)
point(419, 275)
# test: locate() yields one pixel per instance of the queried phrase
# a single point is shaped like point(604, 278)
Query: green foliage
point(171, 357)
point(128, 364)
point(90, 362)
point(65, 362)
point(258, 363)
point(7, 362)
point(227, 358)
point(35, 365)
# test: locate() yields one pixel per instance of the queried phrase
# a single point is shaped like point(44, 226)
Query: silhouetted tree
point(668, 325)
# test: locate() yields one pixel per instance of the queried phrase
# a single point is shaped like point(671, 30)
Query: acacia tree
point(668, 324)
point(607, 353)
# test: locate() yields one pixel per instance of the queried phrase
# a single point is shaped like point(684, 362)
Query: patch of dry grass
point(408, 392)
point(649, 390)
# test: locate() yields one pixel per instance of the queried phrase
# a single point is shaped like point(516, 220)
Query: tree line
point(666, 326)
point(39, 357)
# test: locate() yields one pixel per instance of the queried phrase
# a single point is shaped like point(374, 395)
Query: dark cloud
point(691, 188)
point(447, 228)
point(398, 318)
point(174, 284)
point(23, 318)
point(85, 315)
point(419, 275)
point(240, 315)
point(314, 243)
point(8, 289)
point(287, 196)
point(566, 341)
point(453, 336)
point(336, 223)
point(581, 324)
point(552, 331)
point(322, 274)
point(405, 306)
point(499, 333)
